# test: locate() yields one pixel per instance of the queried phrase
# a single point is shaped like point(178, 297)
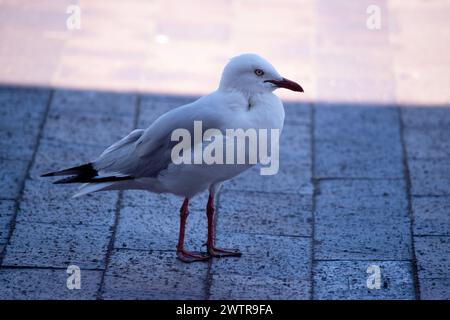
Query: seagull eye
point(259, 72)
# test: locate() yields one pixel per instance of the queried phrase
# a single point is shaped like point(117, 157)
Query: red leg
point(183, 255)
point(212, 249)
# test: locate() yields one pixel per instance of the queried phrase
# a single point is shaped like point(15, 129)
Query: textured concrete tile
point(430, 176)
point(15, 146)
point(21, 113)
point(435, 289)
point(46, 245)
point(354, 236)
point(354, 221)
point(295, 145)
point(428, 142)
point(134, 274)
point(289, 179)
point(94, 102)
point(265, 213)
point(237, 287)
point(426, 118)
point(433, 257)
point(362, 195)
point(350, 159)
point(433, 264)
point(361, 188)
point(431, 215)
point(297, 113)
point(348, 280)
point(90, 117)
point(153, 106)
point(44, 284)
point(264, 256)
point(55, 155)
point(12, 174)
point(360, 123)
point(87, 130)
point(48, 203)
point(151, 222)
point(357, 142)
point(11, 96)
point(18, 104)
point(7, 208)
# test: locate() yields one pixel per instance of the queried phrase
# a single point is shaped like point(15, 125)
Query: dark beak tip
point(287, 84)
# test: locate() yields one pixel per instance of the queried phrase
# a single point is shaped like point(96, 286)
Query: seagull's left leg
point(183, 255)
point(212, 249)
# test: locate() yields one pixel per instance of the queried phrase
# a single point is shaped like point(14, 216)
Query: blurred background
point(181, 46)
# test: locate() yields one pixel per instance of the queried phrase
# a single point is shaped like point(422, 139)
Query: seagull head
point(250, 73)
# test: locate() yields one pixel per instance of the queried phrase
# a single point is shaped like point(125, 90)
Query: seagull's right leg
point(183, 255)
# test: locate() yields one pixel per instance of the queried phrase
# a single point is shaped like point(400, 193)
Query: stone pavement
point(364, 182)
point(359, 185)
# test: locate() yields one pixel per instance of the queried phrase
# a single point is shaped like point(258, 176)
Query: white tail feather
point(91, 187)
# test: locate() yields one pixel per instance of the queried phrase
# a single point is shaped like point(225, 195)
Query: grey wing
point(145, 153)
point(122, 158)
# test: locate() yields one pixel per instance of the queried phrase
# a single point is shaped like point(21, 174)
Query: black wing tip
point(85, 170)
point(85, 173)
point(48, 174)
point(82, 179)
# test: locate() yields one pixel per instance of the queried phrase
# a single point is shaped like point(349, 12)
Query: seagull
point(144, 159)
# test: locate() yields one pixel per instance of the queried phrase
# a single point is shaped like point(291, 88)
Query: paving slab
point(93, 118)
point(426, 143)
point(361, 122)
point(22, 111)
point(153, 106)
point(7, 208)
point(347, 280)
point(430, 177)
point(431, 215)
point(137, 274)
point(364, 221)
point(289, 179)
point(53, 155)
point(425, 117)
point(295, 145)
point(44, 202)
point(349, 159)
point(151, 222)
point(46, 284)
point(265, 213)
point(278, 257)
point(12, 174)
point(238, 287)
point(435, 289)
point(357, 142)
point(45, 245)
point(297, 113)
point(433, 256)
point(433, 265)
